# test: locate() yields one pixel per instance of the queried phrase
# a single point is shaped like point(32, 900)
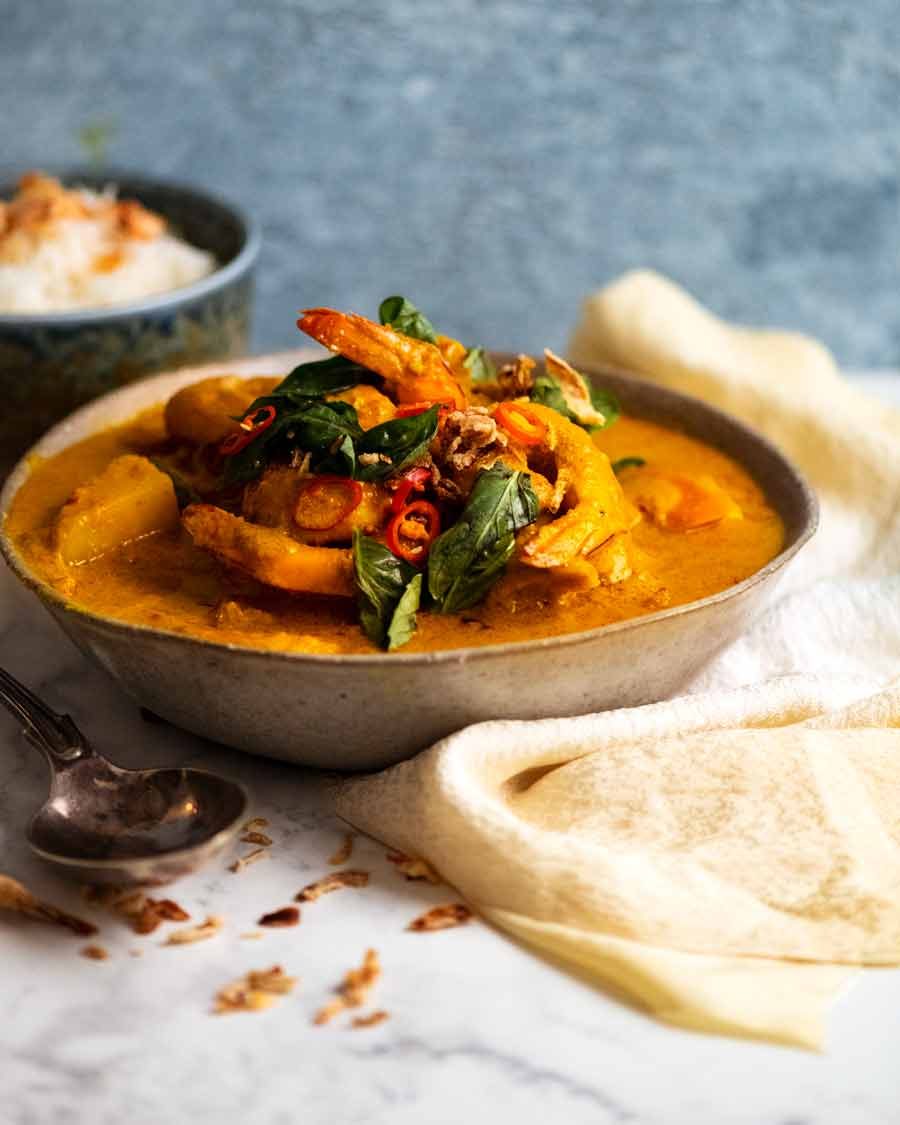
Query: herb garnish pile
point(465, 560)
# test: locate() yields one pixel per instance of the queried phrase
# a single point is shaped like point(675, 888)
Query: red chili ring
point(416, 552)
point(319, 484)
point(248, 429)
point(413, 481)
point(520, 423)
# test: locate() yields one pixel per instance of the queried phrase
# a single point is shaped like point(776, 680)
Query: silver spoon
point(105, 824)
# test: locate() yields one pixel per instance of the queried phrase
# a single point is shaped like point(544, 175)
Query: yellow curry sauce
point(163, 580)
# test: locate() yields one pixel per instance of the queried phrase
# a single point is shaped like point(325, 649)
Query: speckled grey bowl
point(364, 712)
point(51, 363)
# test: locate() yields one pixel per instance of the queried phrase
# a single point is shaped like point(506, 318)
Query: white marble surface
point(480, 1030)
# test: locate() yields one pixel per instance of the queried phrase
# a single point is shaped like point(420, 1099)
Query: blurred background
point(495, 161)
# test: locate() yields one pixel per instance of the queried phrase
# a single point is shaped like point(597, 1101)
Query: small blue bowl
point(52, 363)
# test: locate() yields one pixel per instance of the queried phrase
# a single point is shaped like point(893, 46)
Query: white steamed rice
point(61, 273)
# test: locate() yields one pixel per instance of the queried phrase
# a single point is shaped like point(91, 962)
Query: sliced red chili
point(413, 529)
point(249, 428)
point(326, 501)
point(520, 423)
point(413, 481)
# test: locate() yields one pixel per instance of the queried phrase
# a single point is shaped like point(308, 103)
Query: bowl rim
point(110, 625)
point(157, 302)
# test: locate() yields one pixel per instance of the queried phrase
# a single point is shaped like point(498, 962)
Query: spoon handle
point(56, 735)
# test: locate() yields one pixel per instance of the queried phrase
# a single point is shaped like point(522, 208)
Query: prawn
point(414, 370)
point(584, 485)
point(268, 554)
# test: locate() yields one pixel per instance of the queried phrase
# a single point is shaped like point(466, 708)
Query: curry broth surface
point(164, 581)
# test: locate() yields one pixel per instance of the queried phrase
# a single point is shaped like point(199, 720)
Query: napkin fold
point(722, 859)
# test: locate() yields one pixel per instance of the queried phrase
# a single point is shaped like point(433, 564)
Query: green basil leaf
point(331, 432)
point(381, 583)
point(319, 426)
point(607, 403)
point(481, 368)
point(403, 316)
point(341, 459)
point(403, 619)
point(327, 430)
point(322, 377)
point(247, 464)
point(468, 558)
point(548, 392)
point(627, 463)
point(402, 440)
point(294, 397)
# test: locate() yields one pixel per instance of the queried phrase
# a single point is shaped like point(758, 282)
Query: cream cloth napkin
point(724, 858)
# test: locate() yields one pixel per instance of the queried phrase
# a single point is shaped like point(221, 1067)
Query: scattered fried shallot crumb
point(333, 882)
point(358, 983)
point(15, 897)
point(135, 953)
point(254, 991)
point(353, 990)
point(413, 868)
point(259, 838)
point(201, 932)
point(344, 851)
point(515, 379)
point(373, 1019)
point(327, 1013)
point(154, 911)
point(441, 917)
point(252, 935)
point(256, 823)
point(142, 913)
point(95, 953)
point(245, 860)
point(286, 916)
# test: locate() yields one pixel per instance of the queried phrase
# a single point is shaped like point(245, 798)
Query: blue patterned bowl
point(51, 363)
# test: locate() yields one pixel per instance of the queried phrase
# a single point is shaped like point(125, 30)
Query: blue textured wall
point(496, 160)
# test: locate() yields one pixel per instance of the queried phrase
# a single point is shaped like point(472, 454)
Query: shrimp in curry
point(402, 493)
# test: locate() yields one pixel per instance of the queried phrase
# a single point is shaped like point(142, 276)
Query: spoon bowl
point(105, 824)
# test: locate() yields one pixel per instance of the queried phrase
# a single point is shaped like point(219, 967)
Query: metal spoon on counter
point(105, 824)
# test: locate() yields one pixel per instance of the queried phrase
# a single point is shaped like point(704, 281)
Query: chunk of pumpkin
point(679, 502)
point(129, 499)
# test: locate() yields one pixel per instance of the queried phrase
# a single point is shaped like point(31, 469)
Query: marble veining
point(480, 1029)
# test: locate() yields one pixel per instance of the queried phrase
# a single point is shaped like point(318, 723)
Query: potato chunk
point(129, 499)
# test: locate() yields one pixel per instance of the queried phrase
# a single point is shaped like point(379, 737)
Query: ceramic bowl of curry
point(296, 679)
